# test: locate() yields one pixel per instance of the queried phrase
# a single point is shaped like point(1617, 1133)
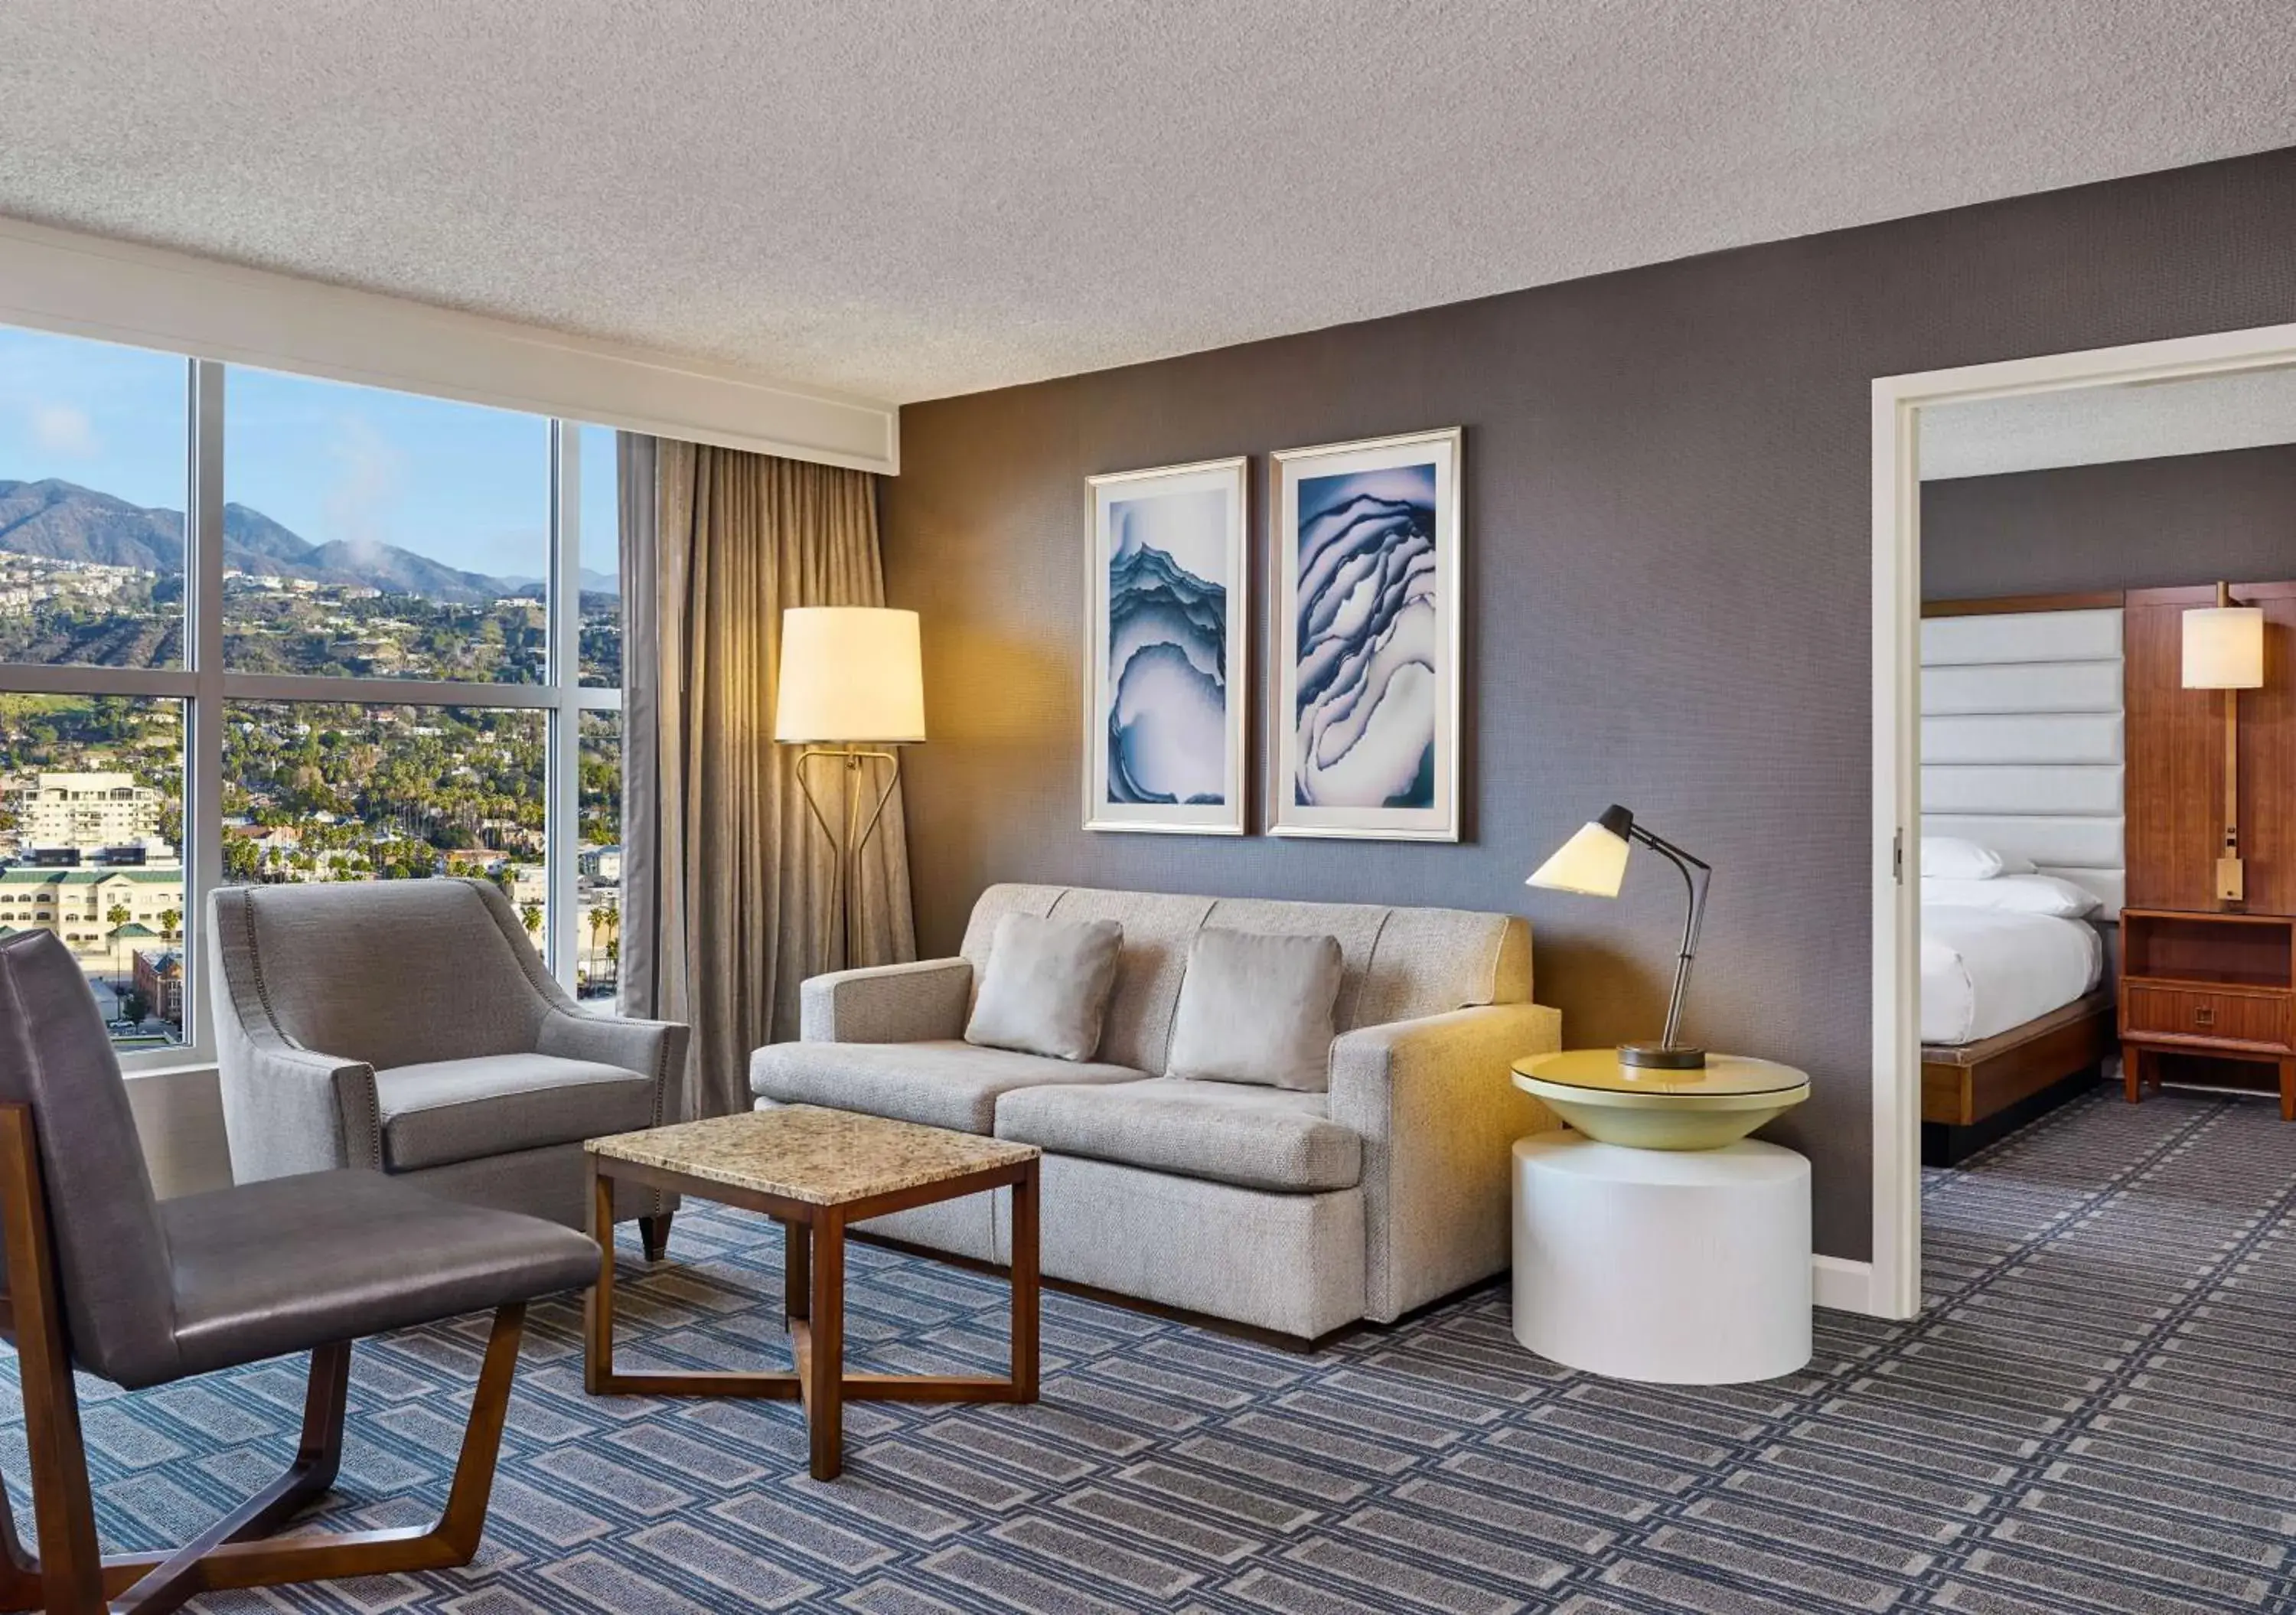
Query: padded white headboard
point(2021, 741)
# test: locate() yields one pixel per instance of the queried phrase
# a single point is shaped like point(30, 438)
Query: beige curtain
point(727, 879)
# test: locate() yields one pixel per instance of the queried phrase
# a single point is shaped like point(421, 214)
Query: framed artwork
point(1165, 692)
point(1365, 725)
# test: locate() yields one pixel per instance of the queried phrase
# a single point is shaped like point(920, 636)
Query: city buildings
point(159, 983)
point(86, 811)
point(91, 909)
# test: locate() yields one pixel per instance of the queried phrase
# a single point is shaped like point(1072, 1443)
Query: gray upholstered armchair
point(408, 1027)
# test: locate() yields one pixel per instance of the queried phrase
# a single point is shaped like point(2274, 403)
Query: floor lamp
point(852, 688)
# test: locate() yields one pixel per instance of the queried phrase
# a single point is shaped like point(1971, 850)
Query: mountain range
point(63, 522)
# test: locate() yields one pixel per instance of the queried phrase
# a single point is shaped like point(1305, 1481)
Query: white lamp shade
point(2224, 648)
point(1593, 861)
point(850, 673)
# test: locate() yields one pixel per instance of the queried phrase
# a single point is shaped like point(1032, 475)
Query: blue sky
point(461, 484)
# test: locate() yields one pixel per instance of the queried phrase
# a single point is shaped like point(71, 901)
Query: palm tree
point(531, 913)
point(171, 924)
point(118, 916)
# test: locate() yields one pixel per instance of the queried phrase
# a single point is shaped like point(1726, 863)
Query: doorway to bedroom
point(2085, 771)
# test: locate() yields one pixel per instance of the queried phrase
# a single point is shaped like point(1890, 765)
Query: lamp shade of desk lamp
point(851, 686)
point(1593, 863)
point(2223, 649)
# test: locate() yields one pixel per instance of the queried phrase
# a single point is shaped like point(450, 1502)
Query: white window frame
point(204, 687)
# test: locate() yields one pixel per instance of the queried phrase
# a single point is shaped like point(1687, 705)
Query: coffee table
point(814, 1171)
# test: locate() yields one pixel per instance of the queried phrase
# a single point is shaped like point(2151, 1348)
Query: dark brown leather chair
point(103, 1276)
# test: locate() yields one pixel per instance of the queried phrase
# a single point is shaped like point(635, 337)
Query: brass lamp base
point(1661, 1056)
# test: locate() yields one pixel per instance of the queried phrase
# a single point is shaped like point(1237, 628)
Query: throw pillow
point(1257, 1009)
point(2021, 894)
point(1952, 857)
point(1046, 987)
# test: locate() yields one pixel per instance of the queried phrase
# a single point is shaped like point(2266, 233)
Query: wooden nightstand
point(2222, 985)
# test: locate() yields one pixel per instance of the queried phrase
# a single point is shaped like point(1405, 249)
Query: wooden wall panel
point(2175, 757)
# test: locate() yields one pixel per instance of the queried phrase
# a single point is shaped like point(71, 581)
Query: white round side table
point(1680, 1267)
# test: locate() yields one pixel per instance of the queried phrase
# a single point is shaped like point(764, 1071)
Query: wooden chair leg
point(70, 1577)
point(654, 1232)
point(454, 1540)
point(156, 1584)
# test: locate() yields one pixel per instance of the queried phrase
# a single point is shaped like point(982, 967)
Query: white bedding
point(1984, 970)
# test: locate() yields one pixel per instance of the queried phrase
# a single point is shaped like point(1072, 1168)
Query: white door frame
point(1893, 1287)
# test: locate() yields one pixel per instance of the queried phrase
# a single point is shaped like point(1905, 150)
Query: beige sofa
point(1295, 1212)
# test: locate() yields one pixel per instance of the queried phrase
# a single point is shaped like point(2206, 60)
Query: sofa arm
point(289, 1109)
point(1438, 1110)
point(656, 1047)
point(886, 1003)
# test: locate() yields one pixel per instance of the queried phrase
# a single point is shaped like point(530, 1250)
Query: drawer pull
point(2204, 1014)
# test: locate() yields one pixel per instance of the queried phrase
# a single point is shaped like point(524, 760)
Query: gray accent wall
point(2135, 524)
point(1667, 527)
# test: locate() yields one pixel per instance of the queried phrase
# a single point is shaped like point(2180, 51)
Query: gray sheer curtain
point(725, 876)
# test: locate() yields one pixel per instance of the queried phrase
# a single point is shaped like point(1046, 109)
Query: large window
point(256, 627)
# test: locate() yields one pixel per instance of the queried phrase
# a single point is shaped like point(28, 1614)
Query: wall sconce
point(2223, 649)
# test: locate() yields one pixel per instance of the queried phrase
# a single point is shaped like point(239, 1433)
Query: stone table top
point(805, 1152)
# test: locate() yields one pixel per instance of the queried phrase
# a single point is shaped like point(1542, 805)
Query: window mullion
point(203, 568)
point(562, 811)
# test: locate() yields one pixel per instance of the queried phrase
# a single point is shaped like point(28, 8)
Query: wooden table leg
point(598, 1305)
point(2132, 1072)
point(2288, 1090)
point(796, 1288)
point(825, 1364)
point(1025, 1286)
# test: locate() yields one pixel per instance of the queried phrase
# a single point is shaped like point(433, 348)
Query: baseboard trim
point(1844, 1285)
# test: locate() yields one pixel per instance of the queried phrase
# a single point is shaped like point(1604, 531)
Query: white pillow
point(1949, 857)
point(1258, 1009)
point(1045, 989)
point(2019, 894)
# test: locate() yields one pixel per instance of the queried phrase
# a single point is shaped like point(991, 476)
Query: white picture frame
point(1168, 643)
point(1372, 751)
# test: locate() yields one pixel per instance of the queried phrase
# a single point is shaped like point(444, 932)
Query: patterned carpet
point(2097, 1413)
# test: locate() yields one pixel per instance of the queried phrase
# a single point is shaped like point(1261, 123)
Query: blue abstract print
point(1368, 674)
point(1166, 714)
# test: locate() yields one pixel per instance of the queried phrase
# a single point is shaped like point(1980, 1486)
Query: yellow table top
point(1602, 1072)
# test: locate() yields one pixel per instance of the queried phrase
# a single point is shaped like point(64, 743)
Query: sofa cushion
point(448, 1111)
point(942, 1084)
point(1046, 987)
point(1252, 1137)
point(1257, 1009)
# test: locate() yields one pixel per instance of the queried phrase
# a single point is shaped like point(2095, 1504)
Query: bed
point(1985, 970)
point(2014, 1019)
point(2022, 753)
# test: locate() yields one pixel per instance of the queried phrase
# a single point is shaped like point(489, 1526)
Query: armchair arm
point(1435, 1104)
point(289, 1109)
point(657, 1047)
point(286, 1108)
point(886, 1003)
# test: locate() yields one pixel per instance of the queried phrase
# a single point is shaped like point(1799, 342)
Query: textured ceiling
point(907, 198)
point(2091, 425)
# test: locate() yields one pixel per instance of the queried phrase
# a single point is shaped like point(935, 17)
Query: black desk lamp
point(1594, 862)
